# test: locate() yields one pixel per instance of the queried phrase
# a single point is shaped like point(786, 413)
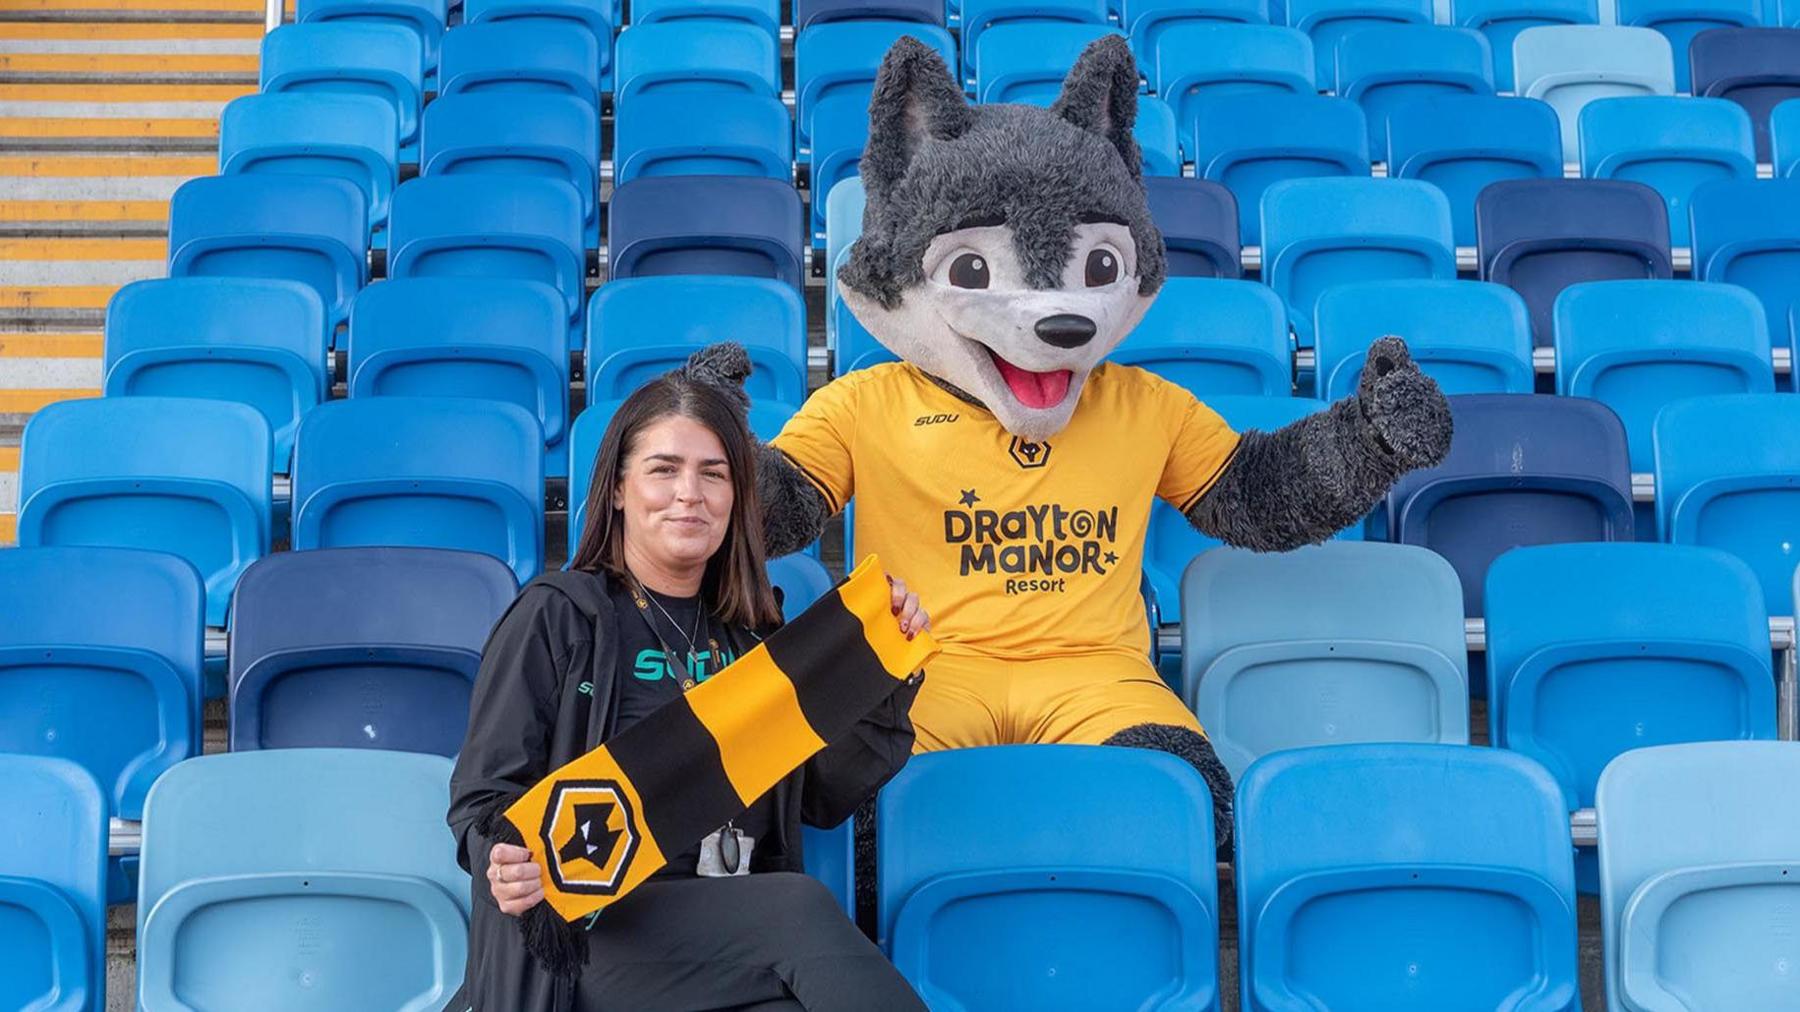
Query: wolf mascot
point(1003, 467)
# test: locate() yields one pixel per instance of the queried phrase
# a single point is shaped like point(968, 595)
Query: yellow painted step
point(56, 297)
point(83, 345)
point(128, 63)
point(87, 30)
point(108, 166)
point(82, 249)
point(123, 92)
point(103, 126)
point(9, 459)
point(9, 528)
point(84, 210)
point(229, 6)
point(25, 402)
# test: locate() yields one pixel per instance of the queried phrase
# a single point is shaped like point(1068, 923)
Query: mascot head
point(1006, 249)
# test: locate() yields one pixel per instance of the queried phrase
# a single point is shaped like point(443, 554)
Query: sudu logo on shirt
point(1044, 543)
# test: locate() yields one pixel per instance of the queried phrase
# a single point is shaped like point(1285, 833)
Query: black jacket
point(529, 715)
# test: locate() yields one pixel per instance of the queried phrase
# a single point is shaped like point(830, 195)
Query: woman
point(667, 587)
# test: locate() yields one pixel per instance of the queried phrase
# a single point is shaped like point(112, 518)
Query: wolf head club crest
point(591, 835)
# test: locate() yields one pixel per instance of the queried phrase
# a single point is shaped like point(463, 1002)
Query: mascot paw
point(1404, 407)
point(725, 365)
point(1197, 752)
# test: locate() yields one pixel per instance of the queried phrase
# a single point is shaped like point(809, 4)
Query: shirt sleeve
point(1203, 445)
point(818, 439)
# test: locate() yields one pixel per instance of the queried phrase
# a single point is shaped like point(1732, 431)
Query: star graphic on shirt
point(1111, 557)
point(969, 498)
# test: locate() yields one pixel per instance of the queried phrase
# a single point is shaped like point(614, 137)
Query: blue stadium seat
point(349, 59)
point(1784, 139)
point(1681, 20)
point(701, 57)
point(1725, 470)
point(481, 338)
point(799, 580)
point(840, 58)
point(361, 647)
point(675, 134)
point(351, 137)
point(1539, 236)
point(1747, 233)
point(1522, 470)
point(179, 475)
point(520, 228)
point(1502, 21)
point(1758, 68)
point(1158, 138)
point(425, 472)
point(525, 56)
point(1197, 63)
point(1594, 650)
point(1027, 61)
point(840, 132)
point(707, 225)
point(1251, 142)
point(1462, 143)
point(1327, 22)
point(1469, 336)
point(1323, 232)
point(1408, 878)
point(1378, 657)
point(310, 229)
point(424, 19)
point(761, 14)
point(1388, 67)
point(995, 891)
point(52, 886)
point(640, 328)
point(1569, 66)
point(1214, 337)
point(1669, 144)
point(808, 13)
point(569, 19)
point(260, 342)
point(1637, 346)
point(1198, 219)
point(978, 16)
point(247, 866)
point(844, 207)
point(830, 854)
point(1697, 846)
point(499, 134)
point(1146, 20)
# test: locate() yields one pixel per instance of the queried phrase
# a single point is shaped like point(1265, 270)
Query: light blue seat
point(1251, 142)
point(586, 19)
point(1379, 655)
point(424, 19)
point(696, 56)
point(260, 342)
point(1569, 66)
point(1146, 20)
point(1637, 346)
point(1472, 337)
point(350, 59)
point(245, 868)
point(1387, 67)
point(525, 56)
point(467, 337)
point(844, 205)
point(1322, 232)
point(500, 134)
point(52, 886)
point(1728, 476)
point(352, 137)
point(799, 580)
point(1158, 138)
point(995, 891)
point(981, 16)
point(763, 14)
point(676, 134)
point(1784, 138)
point(1672, 145)
point(1697, 848)
point(1214, 336)
point(1596, 649)
point(422, 472)
point(840, 58)
point(640, 328)
point(1502, 21)
point(1027, 61)
point(1199, 62)
point(1681, 20)
point(1327, 22)
point(169, 474)
point(1747, 232)
point(1462, 143)
point(1408, 878)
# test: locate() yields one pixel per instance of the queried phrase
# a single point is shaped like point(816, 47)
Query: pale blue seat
point(1672, 145)
point(1387, 67)
point(352, 137)
point(640, 328)
point(1472, 337)
point(1213, 336)
point(1199, 62)
point(1462, 143)
point(844, 206)
point(52, 886)
point(1569, 66)
point(1747, 232)
point(1681, 20)
point(1198, 219)
point(1251, 142)
point(1328, 22)
point(1502, 21)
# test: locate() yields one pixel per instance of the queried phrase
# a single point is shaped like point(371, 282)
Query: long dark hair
point(736, 584)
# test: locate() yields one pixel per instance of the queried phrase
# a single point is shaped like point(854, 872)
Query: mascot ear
point(1101, 93)
point(915, 98)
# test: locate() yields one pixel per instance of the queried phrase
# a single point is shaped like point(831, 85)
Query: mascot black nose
point(1066, 330)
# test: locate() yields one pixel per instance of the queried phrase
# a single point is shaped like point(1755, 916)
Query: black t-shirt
point(647, 683)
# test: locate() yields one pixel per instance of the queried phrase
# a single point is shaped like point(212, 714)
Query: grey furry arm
point(793, 510)
point(1304, 482)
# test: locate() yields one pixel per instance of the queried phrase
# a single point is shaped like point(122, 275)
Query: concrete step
point(116, 11)
point(194, 136)
point(110, 69)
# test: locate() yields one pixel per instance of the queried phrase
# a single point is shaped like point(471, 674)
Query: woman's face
point(675, 493)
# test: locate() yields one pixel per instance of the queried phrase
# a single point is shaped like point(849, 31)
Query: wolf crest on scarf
point(1006, 250)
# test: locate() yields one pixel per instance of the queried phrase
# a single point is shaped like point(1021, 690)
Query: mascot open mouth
point(1034, 389)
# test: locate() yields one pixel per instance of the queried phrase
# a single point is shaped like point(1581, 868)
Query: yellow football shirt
point(1016, 549)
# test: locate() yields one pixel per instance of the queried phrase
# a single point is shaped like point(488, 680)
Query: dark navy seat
point(1251, 142)
point(523, 56)
point(1681, 21)
point(706, 225)
point(1198, 219)
point(1462, 143)
point(1758, 68)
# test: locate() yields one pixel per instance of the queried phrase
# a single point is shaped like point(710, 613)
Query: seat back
point(1329, 21)
point(423, 19)
point(675, 134)
point(1404, 877)
point(1158, 139)
point(1523, 470)
point(840, 132)
point(184, 476)
point(1539, 236)
point(1462, 143)
point(706, 225)
point(1026, 61)
point(1747, 233)
point(1146, 20)
point(352, 137)
point(1681, 21)
point(1387, 67)
point(361, 647)
point(1212, 337)
point(423, 472)
point(799, 580)
point(640, 328)
point(989, 878)
point(1201, 61)
point(1251, 142)
point(1569, 66)
point(1727, 471)
point(245, 867)
point(491, 133)
point(586, 19)
point(347, 58)
point(808, 13)
point(52, 885)
point(1198, 219)
point(703, 57)
point(761, 14)
point(1690, 918)
point(1502, 21)
point(1754, 67)
point(1670, 144)
point(981, 16)
point(833, 58)
point(524, 56)
point(1470, 336)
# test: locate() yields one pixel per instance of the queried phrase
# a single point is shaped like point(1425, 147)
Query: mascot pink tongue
point(1034, 389)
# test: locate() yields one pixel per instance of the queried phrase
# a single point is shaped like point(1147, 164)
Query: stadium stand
point(352, 137)
point(1747, 233)
point(525, 55)
point(52, 885)
point(1681, 21)
point(489, 133)
point(1387, 67)
point(1462, 143)
point(1501, 21)
point(1758, 68)
point(1471, 337)
point(1569, 66)
point(1672, 145)
point(1251, 142)
point(1199, 222)
point(1200, 61)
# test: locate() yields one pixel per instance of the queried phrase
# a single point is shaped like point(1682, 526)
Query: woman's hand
point(517, 883)
point(913, 619)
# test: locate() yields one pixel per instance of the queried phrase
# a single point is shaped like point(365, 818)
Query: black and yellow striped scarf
point(601, 825)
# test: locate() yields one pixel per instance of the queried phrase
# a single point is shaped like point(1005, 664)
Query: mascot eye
point(969, 270)
point(1102, 267)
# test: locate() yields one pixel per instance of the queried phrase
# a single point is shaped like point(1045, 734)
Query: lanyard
point(675, 664)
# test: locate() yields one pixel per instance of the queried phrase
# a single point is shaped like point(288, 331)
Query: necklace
point(690, 637)
point(644, 601)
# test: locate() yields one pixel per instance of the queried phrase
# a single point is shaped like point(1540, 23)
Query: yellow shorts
point(968, 701)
